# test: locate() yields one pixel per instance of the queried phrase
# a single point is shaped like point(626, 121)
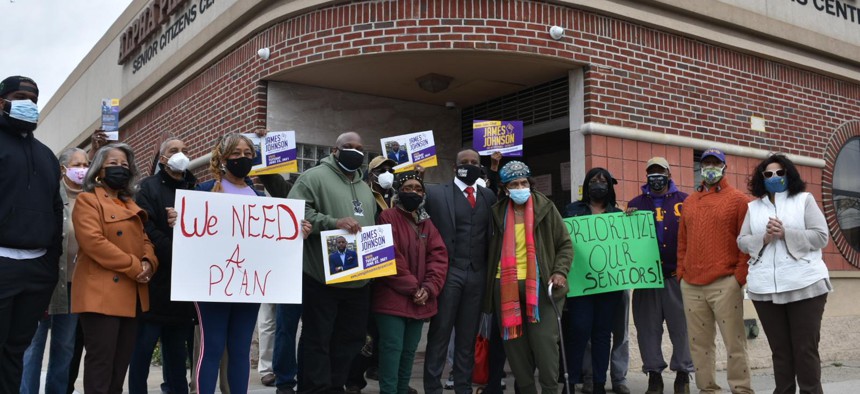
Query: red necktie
point(470, 195)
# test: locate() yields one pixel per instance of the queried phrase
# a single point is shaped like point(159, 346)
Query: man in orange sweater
point(712, 272)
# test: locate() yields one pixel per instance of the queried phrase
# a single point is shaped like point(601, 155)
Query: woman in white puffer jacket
point(784, 232)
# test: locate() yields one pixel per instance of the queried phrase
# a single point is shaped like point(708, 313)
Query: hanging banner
point(366, 254)
point(110, 118)
point(503, 136)
point(276, 153)
point(613, 251)
point(409, 150)
point(235, 248)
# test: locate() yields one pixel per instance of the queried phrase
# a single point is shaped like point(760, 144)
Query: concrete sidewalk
point(838, 377)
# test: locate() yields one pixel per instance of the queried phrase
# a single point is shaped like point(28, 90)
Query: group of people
point(90, 258)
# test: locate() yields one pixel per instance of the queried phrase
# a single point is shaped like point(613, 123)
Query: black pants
point(26, 287)
point(109, 342)
point(333, 322)
point(793, 331)
point(362, 363)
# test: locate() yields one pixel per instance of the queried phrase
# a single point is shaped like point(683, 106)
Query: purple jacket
point(667, 215)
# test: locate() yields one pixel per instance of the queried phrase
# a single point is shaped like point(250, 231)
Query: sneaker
point(620, 389)
point(449, 384)
point(268, 380)
point(682, 383)
point(587, 388)
point(655, 383)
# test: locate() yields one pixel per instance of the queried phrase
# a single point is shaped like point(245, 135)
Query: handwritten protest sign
point(503, 136)
point(234, 248)
point(110, 118)
point(613, 251)
point(276, 153)
point(366, 254)
point(409, 150)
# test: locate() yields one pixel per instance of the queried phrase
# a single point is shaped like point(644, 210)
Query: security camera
point(263, 53)
point(556, 32)
point(450, 105)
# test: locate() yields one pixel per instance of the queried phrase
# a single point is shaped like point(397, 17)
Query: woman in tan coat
point(115, 262)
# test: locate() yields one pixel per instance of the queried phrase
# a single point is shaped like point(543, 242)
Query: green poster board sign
point(612, 252)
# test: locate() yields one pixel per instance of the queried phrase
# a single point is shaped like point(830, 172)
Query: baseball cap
point(657, 161)
point(12, 84)
point(379, 160)
point(715, 153)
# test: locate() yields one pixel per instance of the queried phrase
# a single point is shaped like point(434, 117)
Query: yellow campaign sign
point(366, 254)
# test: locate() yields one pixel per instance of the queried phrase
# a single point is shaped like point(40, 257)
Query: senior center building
point(596, 83)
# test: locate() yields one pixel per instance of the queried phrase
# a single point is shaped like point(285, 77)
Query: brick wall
point(636, 76)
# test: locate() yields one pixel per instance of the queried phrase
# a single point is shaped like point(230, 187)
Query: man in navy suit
point(396, 154)
point(342, 259)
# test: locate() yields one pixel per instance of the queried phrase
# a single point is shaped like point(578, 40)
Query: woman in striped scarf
point(530, 249)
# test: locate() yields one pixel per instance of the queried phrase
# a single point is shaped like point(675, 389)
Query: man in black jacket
point(31, 226)
point(460, 209)
point(172, 321)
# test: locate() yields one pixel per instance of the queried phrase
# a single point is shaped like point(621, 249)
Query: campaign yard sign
point(613, 251)
point(410, 150)
point(366, 254)
point(235, 248)
point(503, 136)
point(275, 153)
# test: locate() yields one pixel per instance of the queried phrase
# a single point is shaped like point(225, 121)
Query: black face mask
point(240, 167)
point(409, 200)
point(598, 191)
point(658, 182)
point(468, 173)
point(117, 177)
point(350, 159)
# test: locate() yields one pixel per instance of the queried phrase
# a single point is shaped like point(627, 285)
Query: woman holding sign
point(783, 232)
point(592, 317)
point(402, 302)
point(228, 324)
point(530, 250)
point(115, 262)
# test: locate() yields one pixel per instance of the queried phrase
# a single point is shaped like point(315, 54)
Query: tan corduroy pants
point(719, 302)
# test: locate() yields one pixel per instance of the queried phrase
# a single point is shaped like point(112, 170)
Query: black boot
point(599, 388)
point(655, 383)
point(682, 383)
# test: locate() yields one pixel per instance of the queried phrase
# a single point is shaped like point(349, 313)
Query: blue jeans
point(173, 355)
point(230, 325)
point(60, 357)
point(284, 354)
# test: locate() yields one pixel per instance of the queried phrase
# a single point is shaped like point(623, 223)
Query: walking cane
point(560, 340)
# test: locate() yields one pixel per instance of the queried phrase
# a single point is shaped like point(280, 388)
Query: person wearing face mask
point(228, 325)
point(115, 263)
point(335, 198)
point(712, 270)
point(530, 250)
point(784, 231)
point(460, 209)
point(402, 302)
point(592, 319)
point(31, 238)
point(651, 307)
point(59, 321)
point(380, 178)
point(170, 321)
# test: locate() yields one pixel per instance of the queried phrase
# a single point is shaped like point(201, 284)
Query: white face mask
point(178, 162)
point(385, 180)
point(481, 182)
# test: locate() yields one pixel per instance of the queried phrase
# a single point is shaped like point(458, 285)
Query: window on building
point(697, 167)
point(846, 191)
point(308, 156)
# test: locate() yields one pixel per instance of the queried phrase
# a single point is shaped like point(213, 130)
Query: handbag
point(481, 370)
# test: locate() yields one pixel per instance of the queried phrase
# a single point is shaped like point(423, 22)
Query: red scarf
point(511, 315)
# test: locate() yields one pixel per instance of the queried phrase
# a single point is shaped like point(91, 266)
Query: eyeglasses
point(770, 174)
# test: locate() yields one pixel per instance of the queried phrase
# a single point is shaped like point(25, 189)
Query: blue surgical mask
point(24, 110)
point(776, 184)
point(520, 196)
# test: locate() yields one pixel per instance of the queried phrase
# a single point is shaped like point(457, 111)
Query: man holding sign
point(334, 316)
point(652, 306)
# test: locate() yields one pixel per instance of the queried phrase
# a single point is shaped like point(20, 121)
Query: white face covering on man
point(385, 180)
point(178, 162)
